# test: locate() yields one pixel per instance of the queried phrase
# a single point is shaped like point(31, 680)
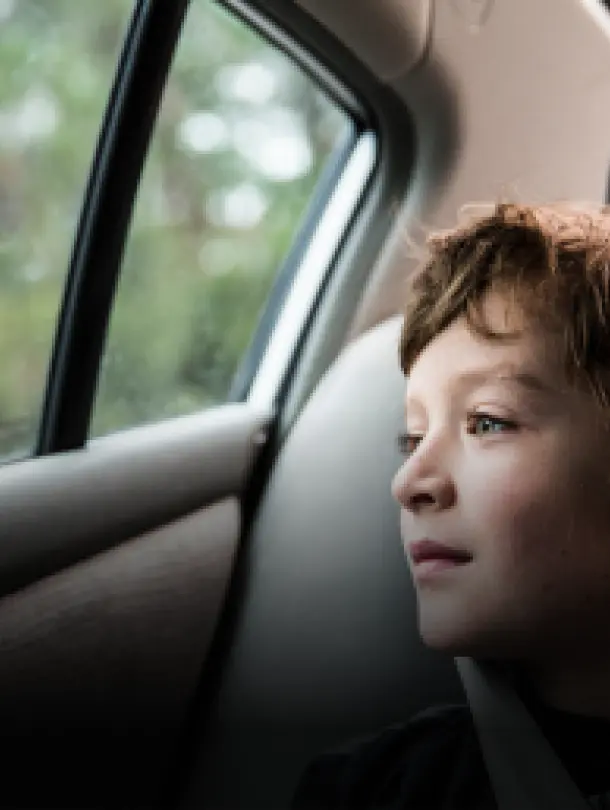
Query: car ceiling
point(481, 134)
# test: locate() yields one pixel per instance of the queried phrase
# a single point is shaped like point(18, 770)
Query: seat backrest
point(326, 645)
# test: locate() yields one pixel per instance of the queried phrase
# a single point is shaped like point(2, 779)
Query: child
point(505, 502)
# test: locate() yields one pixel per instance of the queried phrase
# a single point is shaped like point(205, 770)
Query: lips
point(428, 550)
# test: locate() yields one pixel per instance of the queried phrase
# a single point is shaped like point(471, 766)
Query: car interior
point(193, 607)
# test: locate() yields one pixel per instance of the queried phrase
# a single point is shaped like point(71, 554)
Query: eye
point(408, 443)
point(484, 424)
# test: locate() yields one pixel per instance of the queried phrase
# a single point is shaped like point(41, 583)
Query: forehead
point(526, 356)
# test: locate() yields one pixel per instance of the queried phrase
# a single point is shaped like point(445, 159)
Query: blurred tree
point(241, 139)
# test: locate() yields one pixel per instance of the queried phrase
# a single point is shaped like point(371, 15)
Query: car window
point(57, 62)
point(242, 139)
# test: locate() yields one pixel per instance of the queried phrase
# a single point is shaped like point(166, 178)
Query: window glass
point(242, 138)
point(57, 63)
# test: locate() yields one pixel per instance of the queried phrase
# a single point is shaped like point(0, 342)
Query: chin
point(467, 640)
point(447, 643)
point(449, 635)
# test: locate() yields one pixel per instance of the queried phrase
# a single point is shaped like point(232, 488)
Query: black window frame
point(104, 223)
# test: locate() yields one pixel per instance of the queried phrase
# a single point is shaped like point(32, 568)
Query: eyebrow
point(502, 373)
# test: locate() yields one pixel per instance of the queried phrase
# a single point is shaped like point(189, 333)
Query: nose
point(424, 482)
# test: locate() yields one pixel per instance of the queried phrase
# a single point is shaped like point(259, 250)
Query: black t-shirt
point(434, 762)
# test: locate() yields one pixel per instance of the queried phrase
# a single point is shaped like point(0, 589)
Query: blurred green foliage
point(241, 139)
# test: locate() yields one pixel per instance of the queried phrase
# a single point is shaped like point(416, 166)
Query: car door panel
point(100, 658)
point(57, 510)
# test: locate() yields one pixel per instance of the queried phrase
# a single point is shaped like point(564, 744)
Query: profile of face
point(505, 496)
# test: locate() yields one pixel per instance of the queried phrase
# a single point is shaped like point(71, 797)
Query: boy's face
point(509, 465)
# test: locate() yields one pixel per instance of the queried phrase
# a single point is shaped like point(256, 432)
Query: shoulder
point(400, 761)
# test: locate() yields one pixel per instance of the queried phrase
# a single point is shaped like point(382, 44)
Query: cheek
point(541, 522)
point(514, 505)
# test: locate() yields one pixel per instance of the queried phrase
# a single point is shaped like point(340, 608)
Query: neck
point(580, 686)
